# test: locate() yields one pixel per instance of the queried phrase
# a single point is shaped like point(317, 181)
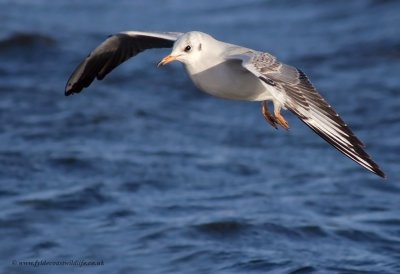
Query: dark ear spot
point(199, 46)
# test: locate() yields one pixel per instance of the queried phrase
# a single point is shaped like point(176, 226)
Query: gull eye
point(187, 48)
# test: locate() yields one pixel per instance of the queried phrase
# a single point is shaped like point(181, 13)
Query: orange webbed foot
point(280, 120)
point(268, 117)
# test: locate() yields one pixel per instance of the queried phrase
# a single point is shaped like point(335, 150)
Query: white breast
point(229, 80)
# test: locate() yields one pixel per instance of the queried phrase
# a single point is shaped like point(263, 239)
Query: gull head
point(187, 49)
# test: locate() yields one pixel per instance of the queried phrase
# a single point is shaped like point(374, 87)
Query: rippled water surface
point(146, 174)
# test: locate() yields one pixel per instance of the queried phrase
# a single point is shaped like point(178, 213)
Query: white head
point(188, 48)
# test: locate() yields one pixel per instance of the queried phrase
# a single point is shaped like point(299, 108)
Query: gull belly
point(228, 80)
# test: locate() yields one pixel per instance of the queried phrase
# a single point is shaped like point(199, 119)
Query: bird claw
point(275, 119)
point(268, 117)
point(280, 120)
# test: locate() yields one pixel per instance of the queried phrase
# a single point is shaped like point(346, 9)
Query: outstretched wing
point(112, 52)
point(291, 87)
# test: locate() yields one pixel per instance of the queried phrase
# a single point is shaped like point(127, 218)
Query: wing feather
point(293, 90)
point(115, 50)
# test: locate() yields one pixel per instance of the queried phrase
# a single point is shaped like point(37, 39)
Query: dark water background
point(149, 175)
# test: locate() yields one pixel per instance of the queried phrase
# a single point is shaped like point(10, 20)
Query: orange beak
point(167, 59)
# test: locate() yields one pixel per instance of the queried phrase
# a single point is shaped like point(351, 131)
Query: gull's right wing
point(112, 52)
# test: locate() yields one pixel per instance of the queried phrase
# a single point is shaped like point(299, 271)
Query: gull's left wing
point(292, 89)
point(112, 52)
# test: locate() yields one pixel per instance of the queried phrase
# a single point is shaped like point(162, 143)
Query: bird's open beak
point(167, 59)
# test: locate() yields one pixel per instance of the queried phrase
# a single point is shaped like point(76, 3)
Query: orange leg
point(268, 117)
point(279, 118)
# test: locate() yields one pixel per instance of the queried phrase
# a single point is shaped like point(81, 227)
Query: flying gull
point(231, 72)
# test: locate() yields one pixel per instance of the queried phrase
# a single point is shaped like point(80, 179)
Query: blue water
point(146, 174)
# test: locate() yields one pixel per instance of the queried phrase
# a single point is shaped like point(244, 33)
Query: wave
point(26, 40)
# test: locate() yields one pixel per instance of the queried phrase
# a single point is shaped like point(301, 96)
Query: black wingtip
point(70, 89)
point(380, 173)
point(372, 166)
point(68, 92)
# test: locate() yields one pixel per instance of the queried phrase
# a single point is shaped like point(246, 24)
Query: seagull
point(231, 72)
